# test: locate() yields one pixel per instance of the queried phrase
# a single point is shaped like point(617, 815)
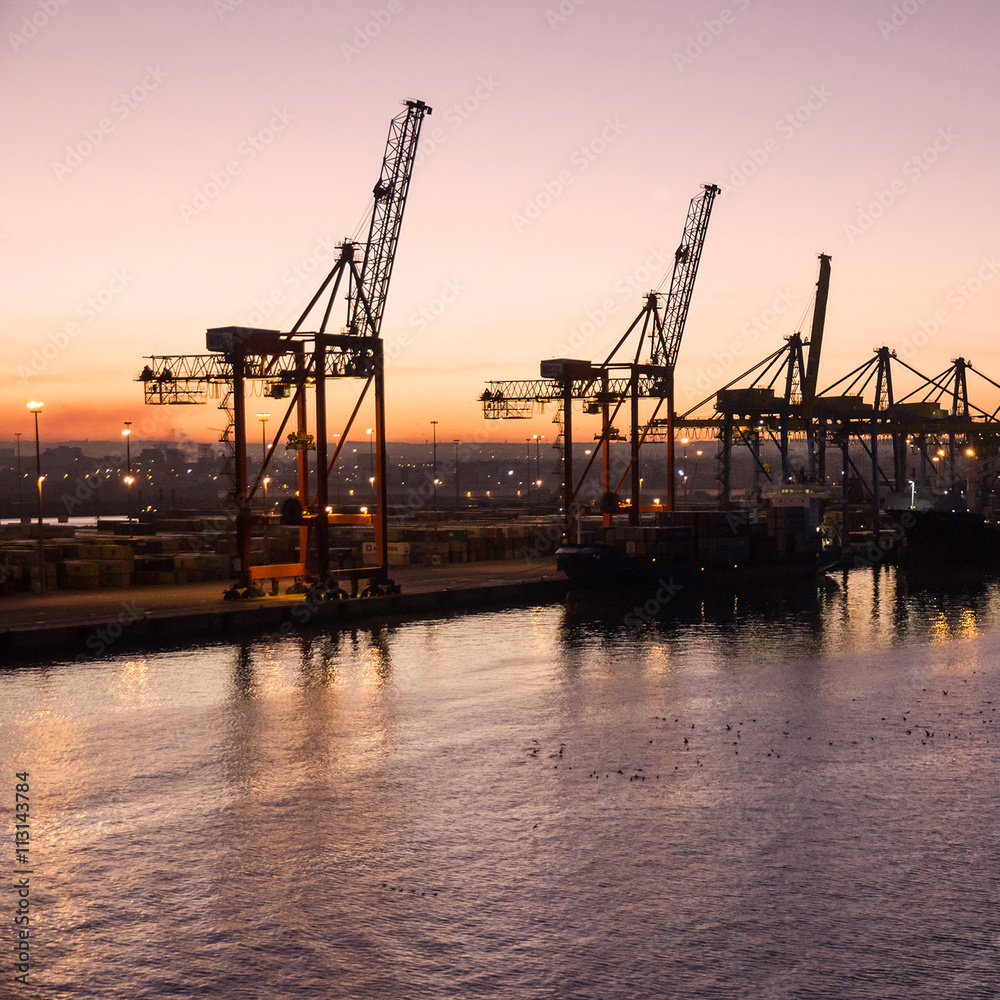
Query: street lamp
point(35, 407)
point(336, 441)
point(127, 434)
point(684, 441)
point(17, 434)
point(371, 459)
point(434, 461)
point(538, 461)
point(263, 418)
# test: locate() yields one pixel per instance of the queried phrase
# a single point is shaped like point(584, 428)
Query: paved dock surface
point(67, 620)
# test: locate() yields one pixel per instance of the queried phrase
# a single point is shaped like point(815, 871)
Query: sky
point(174, 167)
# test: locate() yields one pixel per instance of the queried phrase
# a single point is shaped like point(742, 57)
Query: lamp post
point(17, 434)
point(458, 496)
point(336, 440)
point(35, 407)
point(434, 462)
point(527, 475)
point(538, 462)
point(684, 473)
point(127, 434)
point(263, 418)
point(371, 464)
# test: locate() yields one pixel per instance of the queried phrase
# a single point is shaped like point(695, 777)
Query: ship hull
point(607, 568)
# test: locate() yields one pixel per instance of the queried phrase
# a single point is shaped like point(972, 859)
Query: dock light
point(971, 452)
point(913, 493)
point(364, 510)
point(127, 434)
point(263, 418)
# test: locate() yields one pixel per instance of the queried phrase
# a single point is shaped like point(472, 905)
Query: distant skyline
point(175, 167)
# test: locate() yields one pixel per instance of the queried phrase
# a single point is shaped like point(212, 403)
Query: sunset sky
point(170, 167)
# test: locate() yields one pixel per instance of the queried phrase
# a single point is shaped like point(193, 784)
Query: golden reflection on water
point(132, 684)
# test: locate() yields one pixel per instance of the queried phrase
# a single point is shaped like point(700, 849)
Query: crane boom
point(368, 302)
point(686, 260)
point(289, 362)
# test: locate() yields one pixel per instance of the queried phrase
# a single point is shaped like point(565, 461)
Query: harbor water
point(787, 794)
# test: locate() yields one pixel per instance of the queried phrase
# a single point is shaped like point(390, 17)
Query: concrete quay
point(88, 624)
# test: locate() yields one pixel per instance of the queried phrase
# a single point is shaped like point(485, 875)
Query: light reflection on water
point(539, 802)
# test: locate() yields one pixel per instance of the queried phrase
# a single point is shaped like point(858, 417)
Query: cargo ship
point(704, 548)
point(944, 539)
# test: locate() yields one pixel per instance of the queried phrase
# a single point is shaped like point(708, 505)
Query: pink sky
point(173, 167)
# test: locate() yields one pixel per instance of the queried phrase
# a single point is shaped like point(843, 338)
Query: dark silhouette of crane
point(290, 363)
point(607, 385)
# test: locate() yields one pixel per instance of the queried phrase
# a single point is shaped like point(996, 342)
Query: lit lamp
point(371, 457)
point(35, 407)
point(263, 418)
point(127, 434)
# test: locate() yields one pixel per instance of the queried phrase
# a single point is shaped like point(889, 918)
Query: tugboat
point(705, 548)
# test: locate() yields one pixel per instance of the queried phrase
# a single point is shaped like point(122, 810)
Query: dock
point(85, 625)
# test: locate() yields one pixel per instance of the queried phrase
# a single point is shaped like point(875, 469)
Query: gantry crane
point(288, 363)
point(745, 414)
point(609, 384)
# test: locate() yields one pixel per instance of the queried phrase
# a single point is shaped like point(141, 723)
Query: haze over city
point(172, 168)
